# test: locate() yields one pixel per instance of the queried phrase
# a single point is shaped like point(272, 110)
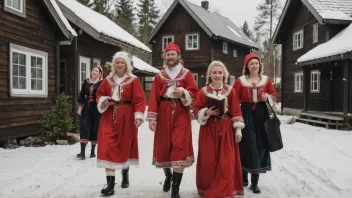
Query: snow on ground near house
point(102, 24)
point(339, 44)
point(315, 162)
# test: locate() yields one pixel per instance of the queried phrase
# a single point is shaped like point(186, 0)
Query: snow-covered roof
point(333, 9)
point(101, 24)
point(339, 44)
point(63, 18)
point(212, 23)
point(143, 66)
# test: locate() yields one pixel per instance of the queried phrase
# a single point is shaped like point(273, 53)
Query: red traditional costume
point(118, 136)
point(218, 164)
point(255, 157)
point(173, 135)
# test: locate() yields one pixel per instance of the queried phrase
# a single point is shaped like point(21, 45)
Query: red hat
point(249, 57)
point(172, 46)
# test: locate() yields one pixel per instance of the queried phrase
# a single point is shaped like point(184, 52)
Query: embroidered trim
point(94, 142)
point(261, 83)
point(139, 115)
point(152, 116)
point(114, 165)
point(237, 119)
point(202, 119)
point(83, 141)
point(127, 80)
point(175, 164)
point(235, 193)
point(256, 171)
point(186, 99)
point(225, 91)
point(163, 75)
point(100, 106)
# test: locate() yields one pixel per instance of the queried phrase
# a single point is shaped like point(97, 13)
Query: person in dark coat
point(253, 89)
point(89, 114)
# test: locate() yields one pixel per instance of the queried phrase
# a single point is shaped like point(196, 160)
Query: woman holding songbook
point(122, 103)
point(89, 114)
point(253, 89)
point(218, 111)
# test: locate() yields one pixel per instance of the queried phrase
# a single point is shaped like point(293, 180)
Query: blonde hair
point(124, 56)
point(210, 67)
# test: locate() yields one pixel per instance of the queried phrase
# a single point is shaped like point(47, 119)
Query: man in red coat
point(173, 90)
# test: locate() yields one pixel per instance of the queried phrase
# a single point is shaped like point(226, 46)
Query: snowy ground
point(315, 162)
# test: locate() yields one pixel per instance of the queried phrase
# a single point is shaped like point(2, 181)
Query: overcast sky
point(237, 11)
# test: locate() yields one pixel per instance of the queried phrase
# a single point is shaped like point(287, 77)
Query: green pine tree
point(124, 16)
point(103, 7)
point(246, 30)
point(148, 15)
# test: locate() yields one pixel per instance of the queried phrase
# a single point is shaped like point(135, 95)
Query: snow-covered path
point(315, 162)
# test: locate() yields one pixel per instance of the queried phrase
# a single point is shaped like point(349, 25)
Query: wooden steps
point(321, 119)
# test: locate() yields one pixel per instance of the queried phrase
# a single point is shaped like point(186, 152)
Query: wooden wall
point(20, 115)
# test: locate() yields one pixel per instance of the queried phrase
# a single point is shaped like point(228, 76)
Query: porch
point(329, 120)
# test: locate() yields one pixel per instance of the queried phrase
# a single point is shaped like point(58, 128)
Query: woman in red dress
point(122, 103)
point(253, 89)
point(218, 164)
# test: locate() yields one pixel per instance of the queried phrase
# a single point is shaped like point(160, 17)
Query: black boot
point(168, 177)
point(254, 183)
point(109, 190)
point(125, 179)
point(176, 181)
point(92, 152)
point(244, 178)
point(82, 155)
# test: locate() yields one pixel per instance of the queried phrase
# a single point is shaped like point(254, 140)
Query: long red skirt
point(219, 172)
point(117, 145)
point(173, 137)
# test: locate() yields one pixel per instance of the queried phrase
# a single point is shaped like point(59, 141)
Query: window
point(195, 76)
point(29, 72)
point(16, 7)
point(299, 82)
point(298, 40)
point(167, 40)
point(192, 42)
point(84, 70)
point(148, 81)
point(315, 33)
point(232, 80)
point(224, 47)
point(96, 62)
point(315, 81)
point(234, 53)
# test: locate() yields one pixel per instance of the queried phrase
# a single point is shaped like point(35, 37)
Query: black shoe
point(255, 189)
point(82, 155)
point(176, 181)
point(125, 179)
point(92, 152)
point(254, 183)
point(109, 190)
point(167, 182)
point(245, 178)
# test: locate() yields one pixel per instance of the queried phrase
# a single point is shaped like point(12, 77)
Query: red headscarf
point(172, 46)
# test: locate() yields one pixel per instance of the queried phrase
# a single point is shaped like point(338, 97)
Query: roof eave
point(58, 21)
point(238, 43)
point(336, 57)
point(337, 21)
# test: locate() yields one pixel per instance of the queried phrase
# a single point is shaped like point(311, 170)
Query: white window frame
point(224, 47)
point(29, 53)
point(186, 40)
point(315, 33)
point(195, 76)
point(234, 53)
point(86, 60)
point(313, 80)
point(232, 80)
point(163, 44)
point(298, 84)
point(20, 12)
point(97, 61)
point(298, 44)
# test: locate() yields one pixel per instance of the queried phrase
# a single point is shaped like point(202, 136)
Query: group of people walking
point(231, 142)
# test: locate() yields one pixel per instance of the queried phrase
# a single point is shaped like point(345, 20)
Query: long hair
point(210, 67)
point(124, 56)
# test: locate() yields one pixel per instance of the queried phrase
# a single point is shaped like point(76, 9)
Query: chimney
point(205, 4)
